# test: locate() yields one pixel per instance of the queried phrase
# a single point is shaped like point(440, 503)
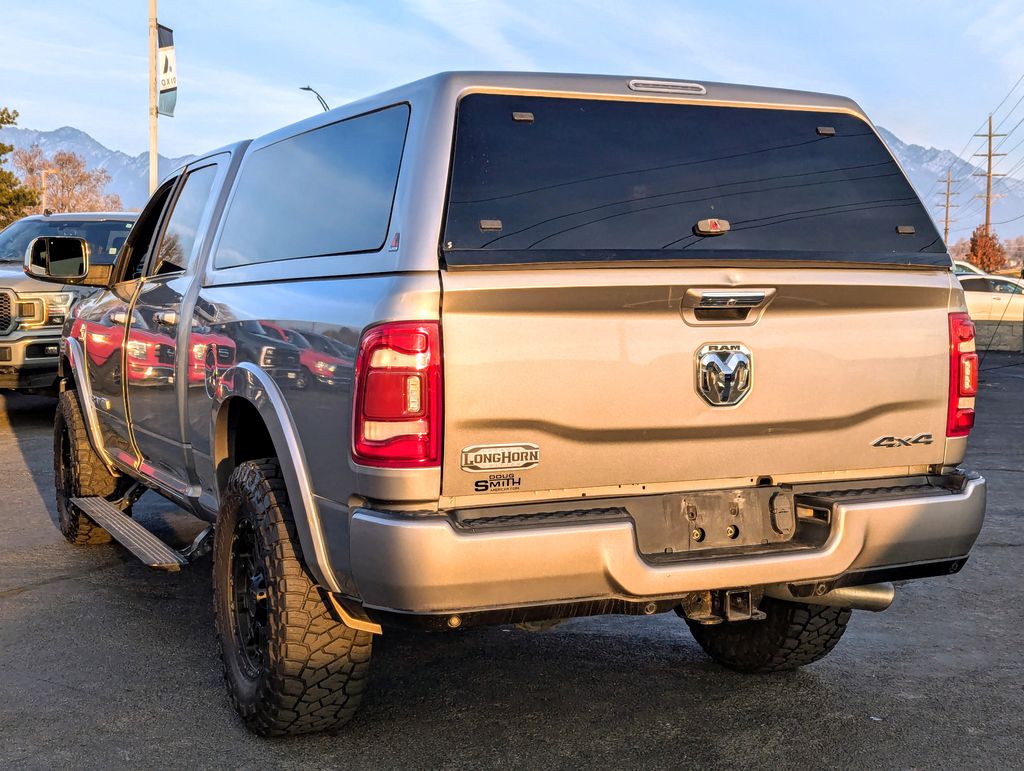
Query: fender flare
point(254, 385)
point(76, 358)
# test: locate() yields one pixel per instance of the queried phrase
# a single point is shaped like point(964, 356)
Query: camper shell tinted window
point(545, 179)
point(325, 191)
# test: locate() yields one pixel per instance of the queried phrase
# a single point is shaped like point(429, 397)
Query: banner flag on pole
point(166, 71)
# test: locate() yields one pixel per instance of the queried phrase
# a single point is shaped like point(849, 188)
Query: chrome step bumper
point(426, 565)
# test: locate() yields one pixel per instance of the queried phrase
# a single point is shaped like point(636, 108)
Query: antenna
point(316, 93)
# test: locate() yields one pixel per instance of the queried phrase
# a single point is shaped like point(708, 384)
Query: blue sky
point(929, 71)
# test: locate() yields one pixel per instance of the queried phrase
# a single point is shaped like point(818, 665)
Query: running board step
point(130, 534)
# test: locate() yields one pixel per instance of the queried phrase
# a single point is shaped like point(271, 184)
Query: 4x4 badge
point(896, 441)
point(724, 373)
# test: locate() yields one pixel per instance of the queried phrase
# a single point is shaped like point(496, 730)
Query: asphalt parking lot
point(104, 663)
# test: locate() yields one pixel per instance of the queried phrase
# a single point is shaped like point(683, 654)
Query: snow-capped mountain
point(926, 167)
point(129, 175)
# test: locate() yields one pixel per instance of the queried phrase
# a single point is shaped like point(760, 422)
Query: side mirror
point(58, 259)
point(64, 260)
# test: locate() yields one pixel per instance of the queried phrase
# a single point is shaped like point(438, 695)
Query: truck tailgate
point(562, 381)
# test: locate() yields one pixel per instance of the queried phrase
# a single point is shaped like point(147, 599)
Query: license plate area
point(720, 520)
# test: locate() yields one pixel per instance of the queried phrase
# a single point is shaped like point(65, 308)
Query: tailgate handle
point(731, 299)
point(725, 306)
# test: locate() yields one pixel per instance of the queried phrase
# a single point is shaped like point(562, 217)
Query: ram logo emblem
point(724, 373)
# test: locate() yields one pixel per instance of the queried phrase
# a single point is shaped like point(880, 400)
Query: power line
point(980, 127)
point(1009, 133)
point(1015, 105)
point(1021, 78)
point(1007, 116)
point(1012, 149)
point(959, 157)
point(1005, 137)
point(1012, 219)
point(1011, 186)
point(974, 134)
point(1014, 183)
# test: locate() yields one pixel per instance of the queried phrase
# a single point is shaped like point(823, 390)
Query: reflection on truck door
point(106, 373)
point(155, 369)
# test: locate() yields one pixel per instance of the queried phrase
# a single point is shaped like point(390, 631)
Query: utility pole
point(153, 157)
point(947, 206)
point(988, 175)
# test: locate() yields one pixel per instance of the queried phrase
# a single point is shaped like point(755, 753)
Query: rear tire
point(290, 667)
point(78, 472)
point(792, 636)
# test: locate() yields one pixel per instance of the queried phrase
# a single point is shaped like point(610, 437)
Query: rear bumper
point(426, 565)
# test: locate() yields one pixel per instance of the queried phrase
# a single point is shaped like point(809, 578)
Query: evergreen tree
point(16, 199)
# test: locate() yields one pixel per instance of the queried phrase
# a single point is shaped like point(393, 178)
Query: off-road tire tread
point(316, 667)
point(793, 635)
point(92, 477)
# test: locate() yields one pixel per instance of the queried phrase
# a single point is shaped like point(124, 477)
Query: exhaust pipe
point(873, 597)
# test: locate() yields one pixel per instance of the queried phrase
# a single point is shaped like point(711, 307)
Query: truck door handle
point(166, 318)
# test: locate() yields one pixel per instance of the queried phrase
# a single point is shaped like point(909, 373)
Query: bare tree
point(30, 163)
point(960, 249)
point(1015, 252)
point(70, 186)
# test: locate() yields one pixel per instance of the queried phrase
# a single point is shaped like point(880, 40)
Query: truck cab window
point(137, 245)
point(179, 239)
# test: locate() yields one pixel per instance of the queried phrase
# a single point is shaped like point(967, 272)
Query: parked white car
point(993, 298)
point(964, 268)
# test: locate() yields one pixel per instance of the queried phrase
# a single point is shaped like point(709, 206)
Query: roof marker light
point(711, 227)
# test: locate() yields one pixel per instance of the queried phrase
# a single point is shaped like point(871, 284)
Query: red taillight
point(397, 417)
point(963, 375)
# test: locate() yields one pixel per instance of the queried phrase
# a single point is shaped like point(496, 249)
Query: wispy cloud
point(241, 62)
point(998, 30)
point(477, 28)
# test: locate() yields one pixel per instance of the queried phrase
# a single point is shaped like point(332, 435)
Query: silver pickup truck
point(33, 313)
point(514, 348)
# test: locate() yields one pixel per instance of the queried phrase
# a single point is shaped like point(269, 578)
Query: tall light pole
point(153, 157)
point(42, 181)
point(316, 93)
